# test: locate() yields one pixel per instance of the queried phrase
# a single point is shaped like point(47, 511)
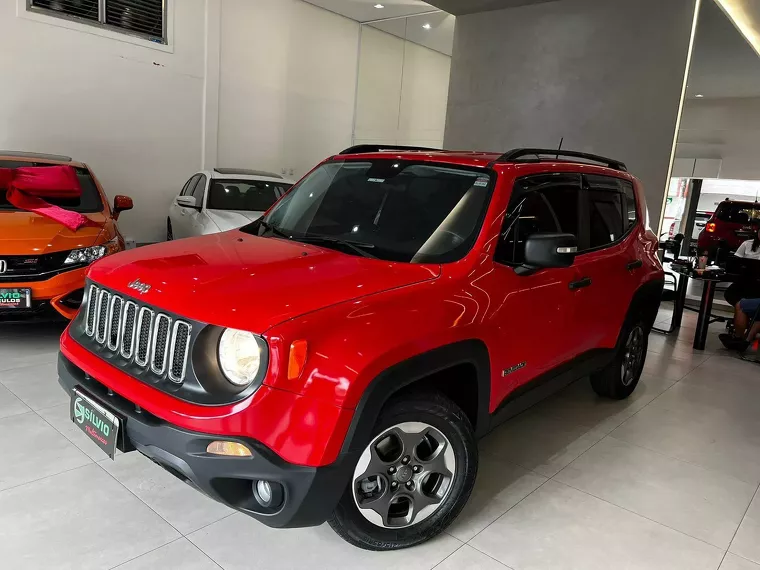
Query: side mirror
point(544, 251)
point(186, 201)
point(120, 204)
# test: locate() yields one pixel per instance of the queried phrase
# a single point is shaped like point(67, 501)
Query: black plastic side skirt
point(540, 388)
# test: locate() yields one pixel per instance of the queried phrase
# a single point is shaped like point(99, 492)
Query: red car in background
point(732, 223)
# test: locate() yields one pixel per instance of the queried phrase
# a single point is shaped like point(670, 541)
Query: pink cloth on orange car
point(27, 186)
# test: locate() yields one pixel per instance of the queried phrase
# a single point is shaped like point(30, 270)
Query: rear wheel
point(169, 232)
point(413, 477)
point(619, 379)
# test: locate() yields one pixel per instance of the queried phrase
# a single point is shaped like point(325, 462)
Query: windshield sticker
point(482, 182)
point(379, 180)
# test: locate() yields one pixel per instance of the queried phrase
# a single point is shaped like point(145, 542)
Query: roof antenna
point(560, 147)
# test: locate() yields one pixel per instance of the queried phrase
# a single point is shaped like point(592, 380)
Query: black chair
point(670, 291)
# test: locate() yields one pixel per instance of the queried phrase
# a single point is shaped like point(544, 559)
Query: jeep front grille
point(153, 341)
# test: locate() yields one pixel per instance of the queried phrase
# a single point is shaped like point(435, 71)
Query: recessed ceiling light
point(699, 96)
point(379, 6)
point(427, 26)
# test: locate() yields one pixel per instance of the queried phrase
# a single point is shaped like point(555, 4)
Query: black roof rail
point(519, 153)
point(365, 148)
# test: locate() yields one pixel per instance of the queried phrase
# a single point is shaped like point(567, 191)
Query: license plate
point(15, 298)
point(100, 425)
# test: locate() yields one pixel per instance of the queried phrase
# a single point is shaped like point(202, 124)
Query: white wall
point(727, 129)
point(402, 92)
point(277, 91)
point(288, 84)
point(130, 110)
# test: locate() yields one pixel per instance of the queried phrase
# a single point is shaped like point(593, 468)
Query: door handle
point(585, 282)
point(634, 264)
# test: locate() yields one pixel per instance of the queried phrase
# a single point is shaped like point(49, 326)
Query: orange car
point(43, 263)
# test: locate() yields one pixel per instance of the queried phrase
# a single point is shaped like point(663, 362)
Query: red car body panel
point(362, 316)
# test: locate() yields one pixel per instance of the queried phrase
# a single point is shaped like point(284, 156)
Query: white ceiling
point(365, 11)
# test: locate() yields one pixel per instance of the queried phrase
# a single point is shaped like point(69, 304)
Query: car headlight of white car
point(87, 255)
point(241, 354)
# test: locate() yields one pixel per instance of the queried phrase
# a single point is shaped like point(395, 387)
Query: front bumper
point(309, 496)
point(56, 292)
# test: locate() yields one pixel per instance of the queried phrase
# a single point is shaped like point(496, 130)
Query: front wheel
point(413, 477)
point(619, 379)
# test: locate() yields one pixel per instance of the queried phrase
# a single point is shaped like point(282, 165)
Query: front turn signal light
point(710, 228)
point(228, 448)
point(297, 358)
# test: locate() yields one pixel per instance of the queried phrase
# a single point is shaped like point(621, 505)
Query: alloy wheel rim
point(404, 475)
point(632, 357)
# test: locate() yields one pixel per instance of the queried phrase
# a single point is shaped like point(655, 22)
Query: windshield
point(88, 202)
point(245, 195)
point(738, 212)
point(396, 210)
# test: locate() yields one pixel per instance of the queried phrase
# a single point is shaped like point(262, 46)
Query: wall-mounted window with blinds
point(143, 18)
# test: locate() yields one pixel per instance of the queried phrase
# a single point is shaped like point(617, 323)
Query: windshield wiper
point(355, 246)
point(275, 230)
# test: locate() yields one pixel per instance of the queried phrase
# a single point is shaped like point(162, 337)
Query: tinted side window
point(187, 189)
point(631, 216)
point(534, 215)
point(544, 203)
point(200, 190)
point(606, 211)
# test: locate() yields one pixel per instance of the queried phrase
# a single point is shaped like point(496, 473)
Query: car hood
point(232, 219)
point(241, 281)
point(27, 233)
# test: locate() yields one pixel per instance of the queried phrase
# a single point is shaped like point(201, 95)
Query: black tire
point(169, 232)
point(616, 381)
point(445, 416)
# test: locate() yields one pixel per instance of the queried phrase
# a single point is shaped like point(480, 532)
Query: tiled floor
point(665, 480)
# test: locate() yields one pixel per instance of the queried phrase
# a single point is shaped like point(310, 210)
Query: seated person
point(746, 288)
point(746, 311)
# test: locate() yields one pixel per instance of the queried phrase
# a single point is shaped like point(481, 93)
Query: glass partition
point(403, 84)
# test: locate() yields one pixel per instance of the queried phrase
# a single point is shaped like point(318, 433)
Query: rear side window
point(545, 203)
point(737, 212)
point(88, 202)
point(606, 211)
point(187, 189)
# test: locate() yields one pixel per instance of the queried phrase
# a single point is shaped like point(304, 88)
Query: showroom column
point(607, 76)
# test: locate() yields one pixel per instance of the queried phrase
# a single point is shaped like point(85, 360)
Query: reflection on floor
point(665, 480)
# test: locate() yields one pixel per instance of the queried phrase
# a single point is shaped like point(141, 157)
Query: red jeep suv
point(337, 359)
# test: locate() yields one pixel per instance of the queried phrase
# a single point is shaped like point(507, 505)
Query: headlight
point(239, 356)
point(89, 254)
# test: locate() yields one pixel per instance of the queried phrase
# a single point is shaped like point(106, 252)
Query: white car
point(222, 199)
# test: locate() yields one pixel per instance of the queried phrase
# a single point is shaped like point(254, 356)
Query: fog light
point(264, 491)
point(268, 494)
point(230, 448)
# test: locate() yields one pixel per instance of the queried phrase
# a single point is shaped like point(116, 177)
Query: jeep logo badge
point(139, 286)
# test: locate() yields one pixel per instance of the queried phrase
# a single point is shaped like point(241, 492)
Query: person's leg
point(745, 310)
point(741, 320)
